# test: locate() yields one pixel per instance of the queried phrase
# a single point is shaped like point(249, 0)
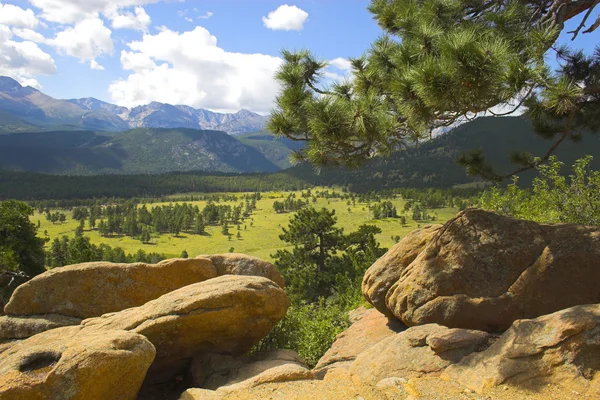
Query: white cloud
point(94, 65)
point(188, 19)
point(87, 40)
point(341, 63)
point(23, 60)
point(28, 34)
point(189, 68)
point(286, 18)
point(207, 15)
point(17, 17)
point(71, 11)
point(136, 61)
point(128, 20)
point(29, 82)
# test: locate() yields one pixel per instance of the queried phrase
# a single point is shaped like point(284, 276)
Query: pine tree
point(438, 63)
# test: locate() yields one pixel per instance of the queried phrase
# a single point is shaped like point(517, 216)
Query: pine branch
point(583, 21)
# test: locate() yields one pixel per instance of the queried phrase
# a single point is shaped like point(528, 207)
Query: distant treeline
point(34, 186)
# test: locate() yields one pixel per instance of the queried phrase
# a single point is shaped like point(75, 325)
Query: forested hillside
point(430, 164)
point(433, 163)
point(139, 151)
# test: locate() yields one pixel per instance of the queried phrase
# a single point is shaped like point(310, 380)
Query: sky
point(215, 54)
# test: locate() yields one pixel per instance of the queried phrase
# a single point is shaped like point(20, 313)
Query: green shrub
point(554, 198)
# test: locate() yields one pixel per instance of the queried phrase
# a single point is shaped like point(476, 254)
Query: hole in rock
point(39, 363)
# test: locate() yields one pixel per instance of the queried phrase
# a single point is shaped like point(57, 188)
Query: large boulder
point(562, 348)
point(12, 328)
point(228, 314)
point(483, 271)
point(386, 271)
point(370, 329)
point(76, 364)
point(226, 373)
point(242, 264)
point(419, 351)
point(96, 288)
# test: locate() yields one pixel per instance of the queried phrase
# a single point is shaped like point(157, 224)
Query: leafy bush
point(554, 198)
point(311, 328)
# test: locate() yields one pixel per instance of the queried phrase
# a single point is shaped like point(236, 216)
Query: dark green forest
point(428, 164)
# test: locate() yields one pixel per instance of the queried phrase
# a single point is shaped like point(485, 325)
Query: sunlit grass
point(259, 234)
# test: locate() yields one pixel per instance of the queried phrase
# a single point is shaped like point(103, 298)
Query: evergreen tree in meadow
point(438, 63)
point(20, 248)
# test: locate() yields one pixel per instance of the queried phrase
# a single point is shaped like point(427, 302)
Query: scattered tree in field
point(21, 251)
point(67, 251)
point(441, 62)
point(184, 254)
point(20, 248)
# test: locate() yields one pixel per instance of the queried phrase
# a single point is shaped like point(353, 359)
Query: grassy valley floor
point(259, 233)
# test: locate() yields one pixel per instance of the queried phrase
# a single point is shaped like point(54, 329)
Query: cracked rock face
point(227, 314)
point(369, 330)
point(484, 271)
point(417, 352)
point(562, 348)
point(225, 373)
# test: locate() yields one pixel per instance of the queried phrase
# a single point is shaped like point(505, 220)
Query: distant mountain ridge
point(38, 111)
point(136, 151)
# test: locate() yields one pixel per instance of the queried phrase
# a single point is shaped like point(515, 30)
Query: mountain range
point(142, 151)
point(25, 109)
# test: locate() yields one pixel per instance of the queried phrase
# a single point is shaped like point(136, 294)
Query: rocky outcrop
point(77, 364)
point(561, 348)
point(483, 271)
point(242, 264)
point(12, 328)
point(93, 289)
point(368, 330)
point(225, 373)
point(337, 385)
point(386, 271)
point(96, 288)
point(228, 314)
point(419, 351)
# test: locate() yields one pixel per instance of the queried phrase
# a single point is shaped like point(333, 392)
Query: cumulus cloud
point(189, 68)
point(28, 34)
point(17, 17)
point(286, 18)
point(94, 65)
point(23, 60)
point(139, 21)
point(341, 63)
point(136, 61)
point(86, 40)
point(71, 11)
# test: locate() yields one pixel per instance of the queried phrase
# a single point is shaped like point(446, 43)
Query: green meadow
point(259, 233)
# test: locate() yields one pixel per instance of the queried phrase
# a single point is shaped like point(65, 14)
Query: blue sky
point(219, 55)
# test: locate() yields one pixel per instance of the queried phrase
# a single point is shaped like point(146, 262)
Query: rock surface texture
point(226, 373)
point(76, 364)
point(419, 351)
point(96, 288)
point(228, 314)
point(242, 264)
point(12, 328)
point(371, 328)
point(483, 271)
point(561, 348)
